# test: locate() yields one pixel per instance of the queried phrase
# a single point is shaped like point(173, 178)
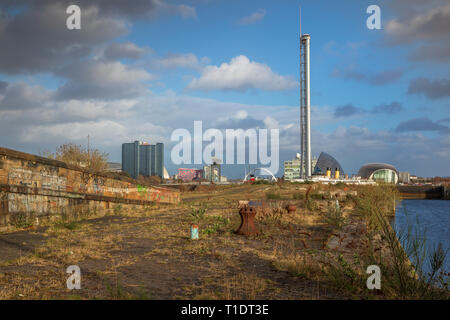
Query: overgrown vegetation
point(334, 217)
point(197, 213)
point(401, 265)
point(77, 155)
point(21, 221)
point(270, 195)
point(298, 196)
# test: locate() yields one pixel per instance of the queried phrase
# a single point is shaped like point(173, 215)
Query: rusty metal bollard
point(291, 208)
point(247, 227)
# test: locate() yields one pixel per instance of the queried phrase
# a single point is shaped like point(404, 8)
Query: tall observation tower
point(305, 107)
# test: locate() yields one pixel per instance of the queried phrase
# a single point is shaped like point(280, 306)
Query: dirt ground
point(148, 254)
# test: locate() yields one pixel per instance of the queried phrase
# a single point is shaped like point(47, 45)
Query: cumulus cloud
point(126, 50)
point(239, 120)
point(106, 131)
point(256, 16)
point(241, 74)
point(421, 124)
point(347, 110)
point(431, 24)
point(35, 38)
point(433, 89)
point(378, 79)
point(136, 9)
point(348, 73)
point(387, 76)
point(180, 60)
point(426, 23)
point(391, 108)
point(21, 96)
point(99, 79)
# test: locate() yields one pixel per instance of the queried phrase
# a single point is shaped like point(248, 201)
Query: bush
point(80, 157)
point(198, 213)
point(334, 218)
point(21, 221)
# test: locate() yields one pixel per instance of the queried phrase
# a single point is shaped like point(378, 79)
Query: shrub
point(198, 213)
point(21, 221)
point(334, 218)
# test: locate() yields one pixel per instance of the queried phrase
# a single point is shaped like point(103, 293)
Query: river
point(428, 218)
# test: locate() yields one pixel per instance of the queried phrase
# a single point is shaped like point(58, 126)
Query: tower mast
point(305, 106)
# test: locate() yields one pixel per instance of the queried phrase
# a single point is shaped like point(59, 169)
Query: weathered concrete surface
point(421, 192)
point(37, 186)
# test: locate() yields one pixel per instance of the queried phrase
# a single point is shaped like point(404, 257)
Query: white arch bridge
point(253, 172)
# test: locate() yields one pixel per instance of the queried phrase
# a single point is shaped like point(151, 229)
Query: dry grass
point(148, 253)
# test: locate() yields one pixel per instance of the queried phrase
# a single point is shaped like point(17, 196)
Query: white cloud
point(432, 24)
point(241, 74)
point(106, 132)
point(179, 60)
point(256, 16)
point(127, 50)
point(103, 80)
point(20, 96)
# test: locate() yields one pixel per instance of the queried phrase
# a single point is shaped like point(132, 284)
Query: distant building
point(114, 167)
point(187, 174)
point(212, 172)
point(292, 168)
point(404, 177)
point(381, 172)
point(325, 162)
point(141, 158)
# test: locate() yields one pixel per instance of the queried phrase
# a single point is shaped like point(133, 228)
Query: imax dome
point(327, 161)
point(382, 172)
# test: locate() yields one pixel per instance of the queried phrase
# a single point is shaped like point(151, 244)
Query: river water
point(429, 219)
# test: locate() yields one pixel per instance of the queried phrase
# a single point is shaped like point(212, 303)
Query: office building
point(141, 158)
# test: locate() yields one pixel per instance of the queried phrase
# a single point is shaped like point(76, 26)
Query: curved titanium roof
point(326, 161)
point(369, 168)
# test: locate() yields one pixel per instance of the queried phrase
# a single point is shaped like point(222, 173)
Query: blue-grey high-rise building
point(130, 158)
point(140, 158)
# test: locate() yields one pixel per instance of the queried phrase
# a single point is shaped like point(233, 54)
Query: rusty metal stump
point(247, 227)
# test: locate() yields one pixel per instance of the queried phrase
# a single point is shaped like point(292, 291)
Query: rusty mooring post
point(247, 227)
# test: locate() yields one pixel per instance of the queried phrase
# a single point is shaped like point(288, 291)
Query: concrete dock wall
point(421, 192)
point(37, 186)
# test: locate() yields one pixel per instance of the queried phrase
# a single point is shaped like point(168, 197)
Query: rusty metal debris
point(247, 227)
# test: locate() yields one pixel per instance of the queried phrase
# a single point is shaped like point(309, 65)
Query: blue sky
point(140, 69)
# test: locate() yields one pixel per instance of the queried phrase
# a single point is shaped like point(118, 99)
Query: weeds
point(219, 224)
point(197, 214)
point(298, 196)
point(311, 205)
point(334, 218)
point(21, 221)
point(273, 195)
point(117, 209)
point(402, 278)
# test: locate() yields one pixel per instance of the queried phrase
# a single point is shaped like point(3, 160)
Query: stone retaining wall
point(37, 186)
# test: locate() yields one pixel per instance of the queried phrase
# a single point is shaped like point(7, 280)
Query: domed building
point(381, 172)
point(327, 161)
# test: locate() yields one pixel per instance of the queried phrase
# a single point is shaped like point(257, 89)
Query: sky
point(138, 70)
